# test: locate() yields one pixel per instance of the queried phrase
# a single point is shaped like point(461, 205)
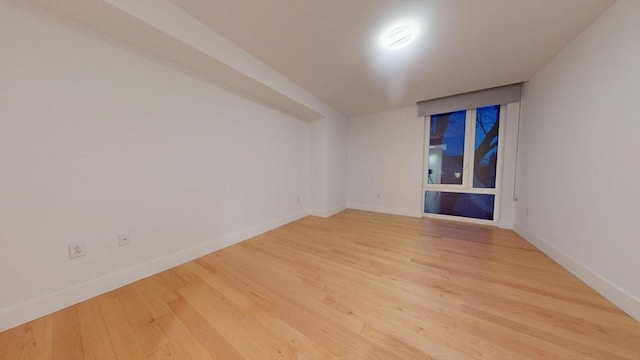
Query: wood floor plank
point(242, 331)
point(67, 336)
point(357, 285)
point(9, 344)
point(148, 332)
point(32, 340)
point(96, 344)
point(182, 343)
point(209, 338)
point(125, 342)
point(296, 310)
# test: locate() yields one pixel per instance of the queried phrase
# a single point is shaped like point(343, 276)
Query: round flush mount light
point(398, 37)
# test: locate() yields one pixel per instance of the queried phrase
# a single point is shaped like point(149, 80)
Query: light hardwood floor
point(358, 285)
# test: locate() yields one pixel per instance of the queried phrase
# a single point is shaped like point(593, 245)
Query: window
point(461, 167)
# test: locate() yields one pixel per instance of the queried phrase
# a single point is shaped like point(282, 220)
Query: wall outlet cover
point(77, 249)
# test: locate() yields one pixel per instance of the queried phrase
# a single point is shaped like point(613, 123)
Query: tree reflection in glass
point(486, 147)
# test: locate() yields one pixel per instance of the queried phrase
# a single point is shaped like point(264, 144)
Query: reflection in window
point(446, 148)
point(486, 147)
point(477, 206)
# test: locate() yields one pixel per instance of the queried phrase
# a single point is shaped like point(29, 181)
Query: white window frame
point(467, 168)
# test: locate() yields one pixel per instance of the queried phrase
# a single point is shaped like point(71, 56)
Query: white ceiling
point(329, 47)
point(309, 57)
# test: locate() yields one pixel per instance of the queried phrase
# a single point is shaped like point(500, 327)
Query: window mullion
point(426, 152)
point(467, 180)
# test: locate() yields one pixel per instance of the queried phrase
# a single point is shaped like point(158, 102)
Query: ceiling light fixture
point(398, 37)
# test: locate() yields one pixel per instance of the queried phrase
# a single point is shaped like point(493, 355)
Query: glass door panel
point(446, 148)
point(477, 206)
point(486, 147)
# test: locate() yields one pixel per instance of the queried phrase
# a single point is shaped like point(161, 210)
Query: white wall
point(385, 158)
point(579, 165)
point(328, 189)
point(97, 140)
point(336, 159)
point(318, 167)
point(509, 143)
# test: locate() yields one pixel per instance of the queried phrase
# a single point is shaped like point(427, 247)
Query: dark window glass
point(446, 148)
point(477, 206)
point(486, 147)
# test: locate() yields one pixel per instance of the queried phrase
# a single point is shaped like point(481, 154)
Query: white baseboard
point(625, 301)
point(21, 313)
point(385, 210)
point(328, 213)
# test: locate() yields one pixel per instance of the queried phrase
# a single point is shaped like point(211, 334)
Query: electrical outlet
point(77, 249)
point(124, 239)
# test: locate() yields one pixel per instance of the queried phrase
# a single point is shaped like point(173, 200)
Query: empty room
point(319, 179)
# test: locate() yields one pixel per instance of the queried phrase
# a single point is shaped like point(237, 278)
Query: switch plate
point(124, 239)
